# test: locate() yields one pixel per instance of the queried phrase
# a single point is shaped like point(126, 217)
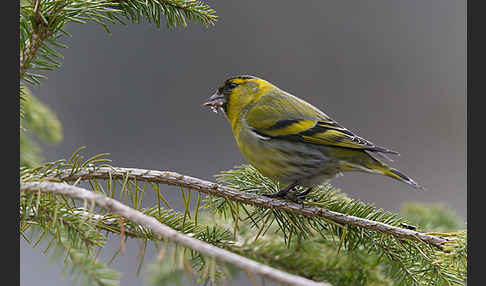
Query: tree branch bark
point(175, 179)
point(166, 232)
point(33, 44)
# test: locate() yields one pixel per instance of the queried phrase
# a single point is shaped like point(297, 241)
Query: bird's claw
point(296, 198)
point(304, 193)
point(286, 193)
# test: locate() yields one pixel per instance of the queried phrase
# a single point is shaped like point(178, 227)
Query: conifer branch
point(42, 24)
point(172, 178)
point(29, 53)
point(173, 9)
point(166, 232)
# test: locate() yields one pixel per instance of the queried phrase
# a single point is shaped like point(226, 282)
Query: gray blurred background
point(392, 71)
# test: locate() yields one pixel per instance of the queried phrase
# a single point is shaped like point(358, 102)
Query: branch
point(210, 188)
point(174, 10)
point(33, 44)
point(166, 232)
point(42, 24)
point(29, 53)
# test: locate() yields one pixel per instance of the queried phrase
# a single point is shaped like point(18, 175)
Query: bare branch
point(166, 232)
point(172, 178)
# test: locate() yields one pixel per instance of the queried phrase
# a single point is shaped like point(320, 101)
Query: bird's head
point(236, 94)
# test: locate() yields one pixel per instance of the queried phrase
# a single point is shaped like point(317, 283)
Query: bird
point(291, 141)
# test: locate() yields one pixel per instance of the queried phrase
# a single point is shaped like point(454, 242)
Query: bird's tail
point(370, 164)
point(397, 175)
point(376, 165)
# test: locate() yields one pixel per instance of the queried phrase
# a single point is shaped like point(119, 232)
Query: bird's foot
point(304, 193)
point(286, 194)
point(282, 193)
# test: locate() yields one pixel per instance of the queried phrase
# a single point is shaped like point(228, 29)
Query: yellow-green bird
point(291, 141)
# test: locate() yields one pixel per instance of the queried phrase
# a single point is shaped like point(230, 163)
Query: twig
point(39, 34)
point(175, 179)
point(29, 52)
point(122, 236)
point(166, 232)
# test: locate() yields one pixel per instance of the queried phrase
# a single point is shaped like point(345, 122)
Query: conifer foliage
point(42, 29)
point(296, 246)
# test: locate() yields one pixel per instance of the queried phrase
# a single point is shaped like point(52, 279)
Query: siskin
point(291, 141)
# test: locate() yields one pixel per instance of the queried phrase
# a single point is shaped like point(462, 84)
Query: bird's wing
point(290, 118)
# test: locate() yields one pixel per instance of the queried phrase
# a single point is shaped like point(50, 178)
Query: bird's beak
point(215, 101)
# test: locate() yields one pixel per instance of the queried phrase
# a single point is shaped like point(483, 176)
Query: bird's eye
point(231, 85)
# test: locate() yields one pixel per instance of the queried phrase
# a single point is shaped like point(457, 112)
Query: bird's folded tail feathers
point(371, 164)
point(397, 175)
point(379, 149)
